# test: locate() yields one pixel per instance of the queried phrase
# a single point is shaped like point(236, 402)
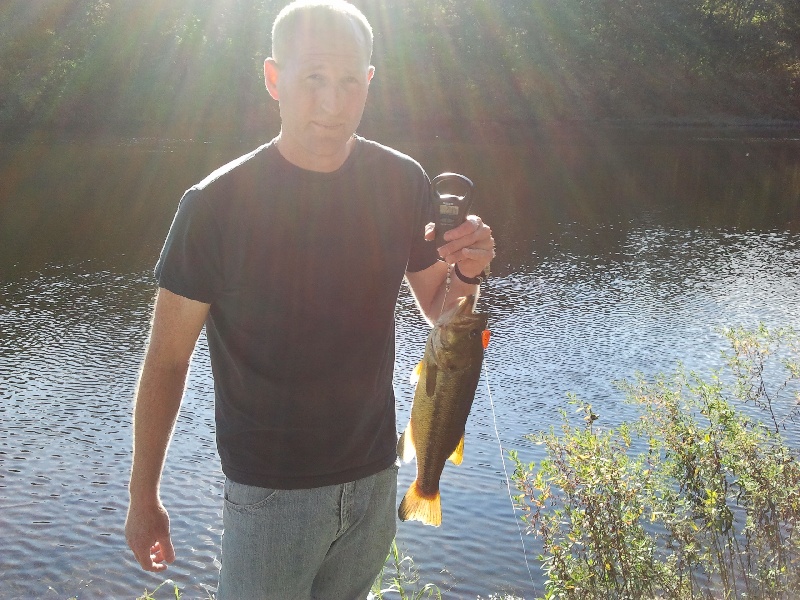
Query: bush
point(697, 499)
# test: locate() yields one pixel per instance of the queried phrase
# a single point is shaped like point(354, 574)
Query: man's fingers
point(146, 560)
point(471, 233)
point(161, 554)
point(480, 256)
point(471, 224)
point(476, 247)
point(147, 533)
point(156, 553)
point(157, 558)
point(471, 244)
point(167, 550)
point(155, 566)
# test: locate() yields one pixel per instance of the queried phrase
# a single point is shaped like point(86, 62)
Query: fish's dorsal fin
point(458, 454)
point(414, 377)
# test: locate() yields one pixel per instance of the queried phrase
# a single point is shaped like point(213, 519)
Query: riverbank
point(662, 130)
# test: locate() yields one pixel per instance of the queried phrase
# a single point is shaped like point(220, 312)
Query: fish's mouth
point(464, 308)
point(466, 304)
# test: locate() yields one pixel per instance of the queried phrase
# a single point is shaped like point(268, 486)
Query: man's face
point(321, 86)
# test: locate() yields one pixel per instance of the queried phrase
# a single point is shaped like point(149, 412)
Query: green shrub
point(697, 499)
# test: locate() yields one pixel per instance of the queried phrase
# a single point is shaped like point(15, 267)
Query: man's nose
point(331, 99)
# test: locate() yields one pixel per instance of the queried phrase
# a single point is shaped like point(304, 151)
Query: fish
point(447, 377)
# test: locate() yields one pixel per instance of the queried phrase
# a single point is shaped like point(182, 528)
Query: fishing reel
point(452, 196)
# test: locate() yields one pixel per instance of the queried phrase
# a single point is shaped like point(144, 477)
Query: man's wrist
point(477, 280)
point(144, 491)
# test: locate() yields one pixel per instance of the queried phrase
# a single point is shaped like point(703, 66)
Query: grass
point(400, 578)
point(151, 595)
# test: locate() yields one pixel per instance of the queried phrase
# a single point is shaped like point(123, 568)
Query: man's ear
point(271, 77)
point(370, 73)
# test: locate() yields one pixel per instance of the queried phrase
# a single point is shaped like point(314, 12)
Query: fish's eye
point(474, 333)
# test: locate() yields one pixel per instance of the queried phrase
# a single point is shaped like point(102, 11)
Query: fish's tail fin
point(419, 507)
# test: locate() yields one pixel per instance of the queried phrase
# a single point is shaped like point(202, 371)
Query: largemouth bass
point(447, 377)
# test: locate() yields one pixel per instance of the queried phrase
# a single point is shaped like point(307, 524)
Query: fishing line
point(447, 282)
point(505, 472)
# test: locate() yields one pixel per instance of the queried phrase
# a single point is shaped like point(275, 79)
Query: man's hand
point(471, 245)
point(147, 534)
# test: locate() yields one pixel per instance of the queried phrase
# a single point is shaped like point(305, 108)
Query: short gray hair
point(324, 11)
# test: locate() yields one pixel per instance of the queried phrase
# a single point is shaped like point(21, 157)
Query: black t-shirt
point(302, 271)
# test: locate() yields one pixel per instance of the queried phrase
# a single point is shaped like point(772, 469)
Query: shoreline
point(481, 132)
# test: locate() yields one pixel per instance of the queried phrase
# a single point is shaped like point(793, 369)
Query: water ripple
point(572, 320)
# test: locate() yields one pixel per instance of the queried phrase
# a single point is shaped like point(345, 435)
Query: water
point(613, 259)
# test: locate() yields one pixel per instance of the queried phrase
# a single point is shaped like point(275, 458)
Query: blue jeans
point(325, 543)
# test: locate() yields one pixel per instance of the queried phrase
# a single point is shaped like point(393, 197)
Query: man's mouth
point(328, 126)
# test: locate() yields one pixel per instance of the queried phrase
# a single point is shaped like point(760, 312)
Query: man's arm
point(177, 322)
point(471, 245)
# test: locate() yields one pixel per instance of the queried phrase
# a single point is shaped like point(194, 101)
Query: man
point(293, 256)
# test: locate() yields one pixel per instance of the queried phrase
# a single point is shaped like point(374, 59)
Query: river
point(614, 256)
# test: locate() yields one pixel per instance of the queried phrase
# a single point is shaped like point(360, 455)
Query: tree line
point(195, 65)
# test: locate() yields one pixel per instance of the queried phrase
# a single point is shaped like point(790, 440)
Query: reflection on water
point(610, 263)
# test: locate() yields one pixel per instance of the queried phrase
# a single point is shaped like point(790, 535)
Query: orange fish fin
point(485, 337)
point(405, 445)
point(414, 377)
point(458, 454)
point(418, 507)
point(430, 379)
